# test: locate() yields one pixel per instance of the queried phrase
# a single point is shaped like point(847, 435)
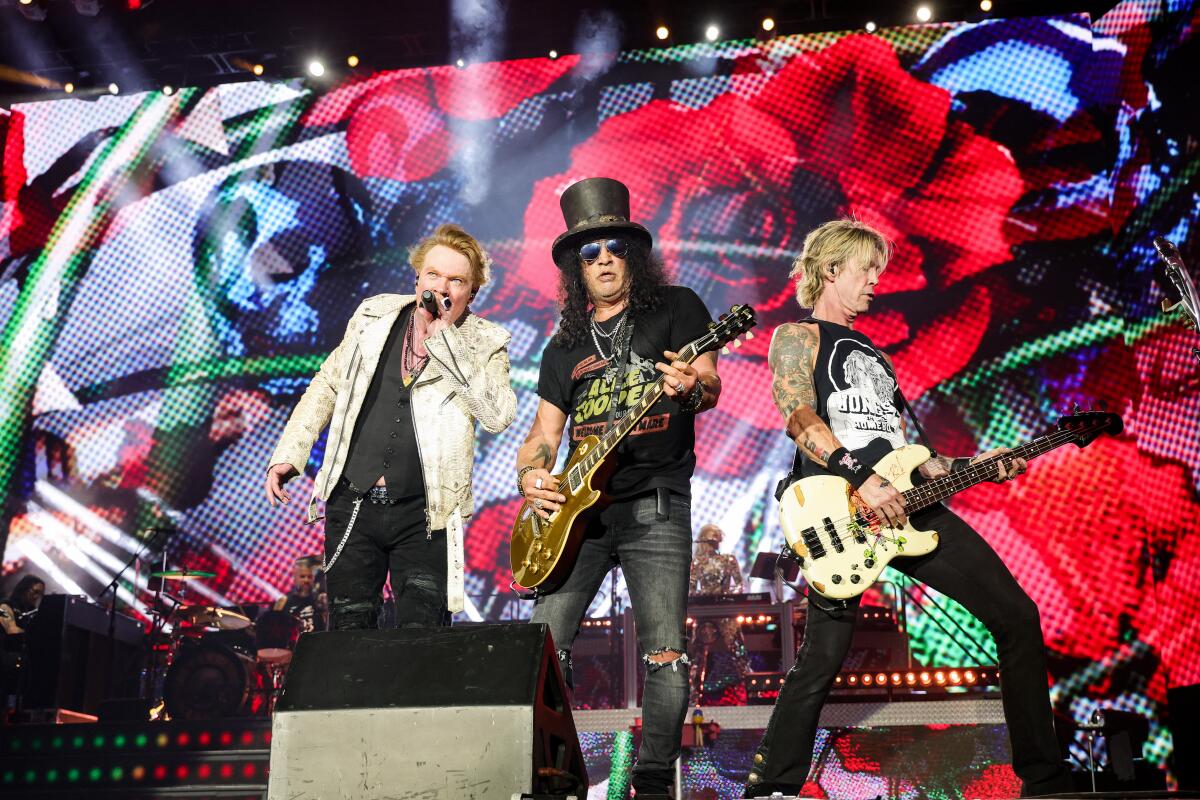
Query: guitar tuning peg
point(749, 335)
point(737, 343)
point(1075, 408)
point(725, 350)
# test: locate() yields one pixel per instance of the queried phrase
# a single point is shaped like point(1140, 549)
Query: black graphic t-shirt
point(303, 607)
point(857, 395)
point(659, 451)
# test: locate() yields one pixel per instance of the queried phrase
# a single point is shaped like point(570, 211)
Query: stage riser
point(466, 753)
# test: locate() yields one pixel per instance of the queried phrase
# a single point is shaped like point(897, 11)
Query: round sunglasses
point(591, 251)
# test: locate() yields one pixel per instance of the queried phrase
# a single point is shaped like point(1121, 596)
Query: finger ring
point(537, 504)
point(679, 387)
point(537, 484)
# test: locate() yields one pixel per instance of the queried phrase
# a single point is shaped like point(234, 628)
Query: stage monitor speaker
point(463, 713)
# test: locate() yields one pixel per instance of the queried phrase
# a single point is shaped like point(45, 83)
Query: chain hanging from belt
point(328, 565)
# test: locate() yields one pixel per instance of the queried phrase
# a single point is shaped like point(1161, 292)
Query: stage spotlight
point(69, 87)
point(460, 63)
point(168, 90)
point(114, 89)
point(871, 27)
point(924, 13)
point(352, 61)
point(553, 54)
point(316, 68)
point(768, 24)
point(32, 9)
point(258, 69)
point(712, 33)
point(985, 5)
point(662, 32)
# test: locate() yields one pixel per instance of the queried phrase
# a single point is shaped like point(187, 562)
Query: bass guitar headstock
point(1083, 427)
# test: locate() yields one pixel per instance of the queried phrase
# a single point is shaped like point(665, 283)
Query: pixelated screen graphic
point(174, 269)
point(936, 761)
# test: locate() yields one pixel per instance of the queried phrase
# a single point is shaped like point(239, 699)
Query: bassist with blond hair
point(838, 396)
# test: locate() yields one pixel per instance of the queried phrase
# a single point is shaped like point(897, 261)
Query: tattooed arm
point(792, 357)
point(539, 451)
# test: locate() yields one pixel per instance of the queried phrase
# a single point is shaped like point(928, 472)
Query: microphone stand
point(112, 606)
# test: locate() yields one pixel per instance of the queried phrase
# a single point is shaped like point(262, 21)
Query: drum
point(207, 680)
point(276, 633)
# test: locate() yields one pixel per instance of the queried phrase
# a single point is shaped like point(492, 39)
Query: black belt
point(376, 494)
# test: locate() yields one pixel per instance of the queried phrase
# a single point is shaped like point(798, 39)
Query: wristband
point(843, 464)
point(691, 403)
point(521, 477)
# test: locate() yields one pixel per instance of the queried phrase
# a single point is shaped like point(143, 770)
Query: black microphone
point(431, 304)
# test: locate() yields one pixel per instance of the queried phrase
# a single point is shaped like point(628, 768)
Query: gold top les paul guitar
point(842, 545)
point(542, 552)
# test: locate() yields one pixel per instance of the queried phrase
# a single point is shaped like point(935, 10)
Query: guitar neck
point(987, 469)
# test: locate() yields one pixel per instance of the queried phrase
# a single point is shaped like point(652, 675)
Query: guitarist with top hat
point(621, 328)
point(839, 397)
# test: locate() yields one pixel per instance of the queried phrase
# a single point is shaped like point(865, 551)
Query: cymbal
point(183, 574)
point(211, 617)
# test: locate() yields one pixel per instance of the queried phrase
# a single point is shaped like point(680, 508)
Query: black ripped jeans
point(963, 567)
point(383, 538)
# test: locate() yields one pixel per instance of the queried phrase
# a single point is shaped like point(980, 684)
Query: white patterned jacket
point(466, 380)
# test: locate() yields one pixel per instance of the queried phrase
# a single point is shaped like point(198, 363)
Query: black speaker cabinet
point(467, 713)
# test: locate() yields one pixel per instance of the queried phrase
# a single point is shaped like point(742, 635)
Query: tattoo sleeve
point(793, 349)
point(790, 360)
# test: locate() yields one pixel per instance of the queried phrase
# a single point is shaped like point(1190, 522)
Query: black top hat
point(593, 209)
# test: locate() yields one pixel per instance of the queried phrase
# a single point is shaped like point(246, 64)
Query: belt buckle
point(378, 495)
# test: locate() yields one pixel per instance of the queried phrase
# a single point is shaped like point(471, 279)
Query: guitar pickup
point(832, 533)
point(813, 543)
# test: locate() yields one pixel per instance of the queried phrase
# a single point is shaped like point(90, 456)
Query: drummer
point(306, 601)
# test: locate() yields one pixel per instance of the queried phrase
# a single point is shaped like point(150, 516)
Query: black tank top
point(857, 396)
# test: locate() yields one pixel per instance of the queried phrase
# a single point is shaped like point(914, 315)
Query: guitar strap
point(794, 474)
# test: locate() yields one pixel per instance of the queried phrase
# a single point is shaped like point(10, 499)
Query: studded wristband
point(521, 478)
point(691, 403)
point(843, 464)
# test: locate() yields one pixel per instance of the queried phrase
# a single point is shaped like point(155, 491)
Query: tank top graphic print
point(857, 395)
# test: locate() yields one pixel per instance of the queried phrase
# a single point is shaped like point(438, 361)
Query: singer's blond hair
point(831, 245)
point(458, 240)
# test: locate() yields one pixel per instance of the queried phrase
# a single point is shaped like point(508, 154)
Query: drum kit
point(222, 662)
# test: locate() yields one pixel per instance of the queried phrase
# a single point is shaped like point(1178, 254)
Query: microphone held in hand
point(431, 303)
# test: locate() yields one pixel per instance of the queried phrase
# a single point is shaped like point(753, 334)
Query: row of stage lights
point(182, 740)
point(316, 67)
point(761, 619)
point(941, 678)
point(768, 26)
point(912, 679)
point(239, 771)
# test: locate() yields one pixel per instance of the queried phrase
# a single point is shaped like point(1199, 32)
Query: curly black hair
point(644, 270)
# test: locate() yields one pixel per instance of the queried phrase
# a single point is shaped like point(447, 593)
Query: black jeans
point(655, 551)
point(967, 569)
point(383, 538)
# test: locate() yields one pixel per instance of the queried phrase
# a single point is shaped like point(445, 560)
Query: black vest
point(384, 442)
